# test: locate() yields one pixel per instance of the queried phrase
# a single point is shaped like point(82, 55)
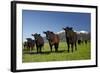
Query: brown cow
point(39, 42)
point(71, 38)
point(53, 39)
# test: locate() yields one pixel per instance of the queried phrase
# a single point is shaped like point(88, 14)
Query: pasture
point(83, 53)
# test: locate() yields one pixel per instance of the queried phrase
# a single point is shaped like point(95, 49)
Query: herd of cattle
point(53, 40)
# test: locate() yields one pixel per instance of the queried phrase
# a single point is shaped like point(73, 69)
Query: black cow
point(53, 39)
point(79, 42)
point(39, 42)
point(86, 41)
point(25, 44)
point(29, 44)
point(71, 38)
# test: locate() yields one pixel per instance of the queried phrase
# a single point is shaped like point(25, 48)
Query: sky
point(38, 21)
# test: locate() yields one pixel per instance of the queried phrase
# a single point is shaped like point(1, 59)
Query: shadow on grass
point(46, 52)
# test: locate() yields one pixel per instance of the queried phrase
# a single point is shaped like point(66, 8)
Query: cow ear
point(71, 28)
point(39, 34)
point(48, 31)
point(67, 28)
point(51, 32)
point(27, 39)
point(63, 28)
point(44, 32)
point(32, 34)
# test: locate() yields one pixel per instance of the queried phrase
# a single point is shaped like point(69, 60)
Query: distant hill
point(83, 35)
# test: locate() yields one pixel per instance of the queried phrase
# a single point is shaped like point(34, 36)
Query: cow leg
point(56, 47)
point(72, 47)
point(37, 49)
point(40, 49)
point(75, 46)
point(27, 48)
point(24, 47)
point(51, 47)
point(30, 49)
point(68, 47)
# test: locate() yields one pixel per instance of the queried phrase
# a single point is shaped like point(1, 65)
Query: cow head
point(29, 39)
point(36, 36)
point(48, 34)
point(68, 28)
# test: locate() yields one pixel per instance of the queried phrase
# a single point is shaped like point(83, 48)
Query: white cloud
point(60, 31)
point(78, 32)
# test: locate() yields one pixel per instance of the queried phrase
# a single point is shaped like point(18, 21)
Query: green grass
point(83, 53)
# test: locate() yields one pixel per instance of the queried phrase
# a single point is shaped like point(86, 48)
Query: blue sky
point(39, 21)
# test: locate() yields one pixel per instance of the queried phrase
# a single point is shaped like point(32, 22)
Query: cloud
point(78, 32)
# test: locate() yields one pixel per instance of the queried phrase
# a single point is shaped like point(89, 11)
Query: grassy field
point(83, 53)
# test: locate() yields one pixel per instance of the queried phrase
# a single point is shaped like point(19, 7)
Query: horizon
point(38, 21)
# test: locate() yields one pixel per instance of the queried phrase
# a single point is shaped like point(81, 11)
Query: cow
point(53, 40)
point(39, 42)
point(79, 41)
point(71, 38)
point(29, 44)
point(86, 41)
point(25, 44)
